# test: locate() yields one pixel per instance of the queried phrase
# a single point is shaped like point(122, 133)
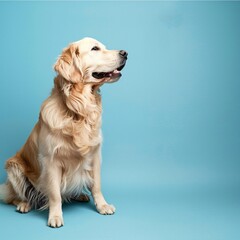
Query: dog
point(61, 158)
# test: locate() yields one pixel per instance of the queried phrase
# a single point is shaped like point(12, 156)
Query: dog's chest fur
point(76, 171)
point(71, 140)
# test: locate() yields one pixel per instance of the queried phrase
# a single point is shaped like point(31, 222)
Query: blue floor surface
point(153, 213)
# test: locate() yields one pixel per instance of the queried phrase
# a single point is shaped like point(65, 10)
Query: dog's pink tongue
point(114, 73)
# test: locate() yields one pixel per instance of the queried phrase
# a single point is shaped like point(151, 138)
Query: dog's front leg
point(102, 206)
point(53, 182)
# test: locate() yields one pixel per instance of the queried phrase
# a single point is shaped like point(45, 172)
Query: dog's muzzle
point(115, 74)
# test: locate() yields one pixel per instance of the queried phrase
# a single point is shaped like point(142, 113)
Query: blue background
point(171, 153)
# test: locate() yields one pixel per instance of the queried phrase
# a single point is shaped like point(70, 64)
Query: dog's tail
point(4, 192)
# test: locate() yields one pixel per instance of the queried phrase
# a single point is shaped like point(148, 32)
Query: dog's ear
point(66, 64)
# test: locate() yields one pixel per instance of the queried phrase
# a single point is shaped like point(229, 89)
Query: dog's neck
point(74, 110)
point(79, 98)
point(60, 82)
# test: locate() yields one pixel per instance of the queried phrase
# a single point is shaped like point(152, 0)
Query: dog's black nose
point(123, 53)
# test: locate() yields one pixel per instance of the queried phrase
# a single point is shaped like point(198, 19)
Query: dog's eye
point(95, 48)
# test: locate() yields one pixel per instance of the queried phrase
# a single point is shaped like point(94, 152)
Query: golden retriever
point(61, 158)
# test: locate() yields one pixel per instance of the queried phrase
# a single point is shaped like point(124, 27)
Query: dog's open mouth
point(112, 75)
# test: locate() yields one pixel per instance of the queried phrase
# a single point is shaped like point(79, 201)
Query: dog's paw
point(106, 209)
point(55, 221)
point(23, 207)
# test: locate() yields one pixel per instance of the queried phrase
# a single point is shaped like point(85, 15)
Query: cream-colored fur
point(61, 157)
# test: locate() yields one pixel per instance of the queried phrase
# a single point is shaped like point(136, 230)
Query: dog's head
point(89, 61)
